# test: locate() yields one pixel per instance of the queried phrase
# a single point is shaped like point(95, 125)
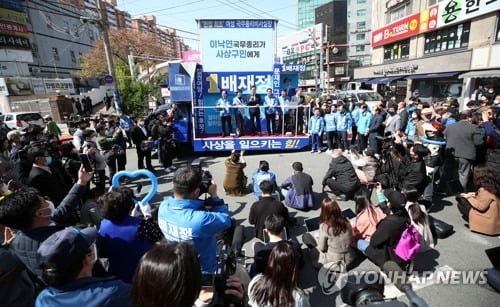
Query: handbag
point(409, 243)
point(440, 228)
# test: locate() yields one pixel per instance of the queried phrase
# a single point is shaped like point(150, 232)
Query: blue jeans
point(362, 245)
point(315, 141)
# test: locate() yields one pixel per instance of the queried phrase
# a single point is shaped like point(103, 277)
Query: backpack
point(409, 244)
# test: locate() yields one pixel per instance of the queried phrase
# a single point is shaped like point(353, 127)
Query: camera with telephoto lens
point(116, 149)
point(206, 176)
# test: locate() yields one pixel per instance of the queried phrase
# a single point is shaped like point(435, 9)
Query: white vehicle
point(370, 97)
point(21, 120)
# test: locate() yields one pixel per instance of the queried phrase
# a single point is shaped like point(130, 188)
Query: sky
point(182, 15)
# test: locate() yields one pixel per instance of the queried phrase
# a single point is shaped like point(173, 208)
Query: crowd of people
point(69, 240)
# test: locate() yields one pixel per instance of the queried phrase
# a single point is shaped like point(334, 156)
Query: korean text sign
point(235, 45)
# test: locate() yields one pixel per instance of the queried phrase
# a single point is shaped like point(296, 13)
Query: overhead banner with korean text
point(456, 11)
point(290, 143)
point(235, 45)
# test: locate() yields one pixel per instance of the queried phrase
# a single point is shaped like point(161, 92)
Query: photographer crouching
point(184, 217)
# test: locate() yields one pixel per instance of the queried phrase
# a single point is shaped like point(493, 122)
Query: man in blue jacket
point(184, 217)
point(363, 123)
point(224, 108)
point(343, 121)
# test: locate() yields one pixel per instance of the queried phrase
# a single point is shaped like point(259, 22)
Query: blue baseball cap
point(66, 246)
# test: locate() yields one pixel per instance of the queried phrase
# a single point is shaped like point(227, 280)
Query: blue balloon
point(133, 174)
point(433, 142)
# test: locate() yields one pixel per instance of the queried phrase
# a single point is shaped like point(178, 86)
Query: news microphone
point(398, 278)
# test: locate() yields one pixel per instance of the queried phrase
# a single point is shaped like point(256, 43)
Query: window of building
point(73, 56)
point(497, 39)
point(360, 36)
point(396, 51)
point(361, 12)
point(361, 1)
point(361, 24)
point(453, 37)
point(398, 12)
point(360, 48)
point(55, 54)
point(34, 50)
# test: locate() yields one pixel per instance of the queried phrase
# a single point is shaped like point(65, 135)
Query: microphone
point(399, 279)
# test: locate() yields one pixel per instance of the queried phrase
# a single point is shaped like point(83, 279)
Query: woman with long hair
point(279, 285)
point(334, 237)
point(419, 219)
point(367, 217)
point(482, 208)
point(235, 181)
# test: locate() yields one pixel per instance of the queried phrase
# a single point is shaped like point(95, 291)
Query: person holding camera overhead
point(184, 217)
point(111, 151)
point(235, 181)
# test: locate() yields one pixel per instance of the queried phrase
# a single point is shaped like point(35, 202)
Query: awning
point(365, 80)
point(434, 75)
point(481, 74)
point(384, 80)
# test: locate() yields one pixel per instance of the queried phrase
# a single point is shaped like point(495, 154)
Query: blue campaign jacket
point(258, 177)
point(316, 124)
point(186, 220)
point(356, 113)
point(330, 122)
point(88, 292)
point(363, 122)
point(273, 103)
point(343, 121)
point(224, 107)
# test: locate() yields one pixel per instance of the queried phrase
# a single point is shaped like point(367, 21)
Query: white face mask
point(93, 247)
point(93, 139)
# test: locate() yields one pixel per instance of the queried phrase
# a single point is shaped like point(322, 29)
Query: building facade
point(306, 12)
point(434, 49)
point(359, 28)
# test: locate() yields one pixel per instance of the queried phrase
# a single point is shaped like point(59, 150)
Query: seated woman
point(235, 181)
point(334, 237)
point(367, 217)
point(414, 173)
point(380, 248)
point(419, 219)
point(125, 238)
point(364, 164)
point(170, 275)
point(482, 209)
point(261, 174)
point(279, 285)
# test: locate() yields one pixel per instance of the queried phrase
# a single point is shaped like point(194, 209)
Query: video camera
point(228, 256)
point(368, 289)
point(206, 176)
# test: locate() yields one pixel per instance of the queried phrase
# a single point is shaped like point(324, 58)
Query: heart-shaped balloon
point(134, 174)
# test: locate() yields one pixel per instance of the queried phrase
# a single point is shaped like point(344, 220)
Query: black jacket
point(48, 185)
point(253, 102)
point(263, 208)
point(343, 171)
point(377, 124)
point(138, 136)
point(385, 239)
point(462, 139)
point(413, 175)
point(403, 118)
point(26, 243)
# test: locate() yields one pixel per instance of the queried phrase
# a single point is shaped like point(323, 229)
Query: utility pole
point(321, 76)
point(107, 47)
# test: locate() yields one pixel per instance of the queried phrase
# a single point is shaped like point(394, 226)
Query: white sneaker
point(319, 151)
point(328, 151)
point(312, 151)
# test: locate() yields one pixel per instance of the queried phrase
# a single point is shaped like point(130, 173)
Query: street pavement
point(462, 251)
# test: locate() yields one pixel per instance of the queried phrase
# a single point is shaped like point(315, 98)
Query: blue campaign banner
point(179, 83)
point(238, 23)
point(276, 80)
point(198, 101)
point(15, 5)
point(215, 82)
point(291, 143)
point(287, 68)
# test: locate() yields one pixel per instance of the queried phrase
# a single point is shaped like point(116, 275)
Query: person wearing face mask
point(392, 121)
point(141, 137)
point(42, 176)
point(97, 160)
point(34, 219)
point(68, 258)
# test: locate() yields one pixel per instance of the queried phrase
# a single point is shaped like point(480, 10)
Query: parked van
point(370, 97)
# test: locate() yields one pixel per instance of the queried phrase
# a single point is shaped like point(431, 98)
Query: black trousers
point(331, 139)
point(464, 207)
point(116, 163)
point(339, 188)
point(343, 144)
point(223, 121)
point(255, 122)
point(373, 141)
point(141, 155)
point(362, 142)
point(354, 130)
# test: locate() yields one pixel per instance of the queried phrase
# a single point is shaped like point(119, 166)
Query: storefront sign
point(293, 68)
point(13, 16)
point(251, 144)
point(14, 41)
point(396, 70)
point(406, 27)
point(456, 11)
point(300, 42)
point(16, 5)
point(15, 29)
point(38, 86)
point(191, 56)
point(62, 85)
